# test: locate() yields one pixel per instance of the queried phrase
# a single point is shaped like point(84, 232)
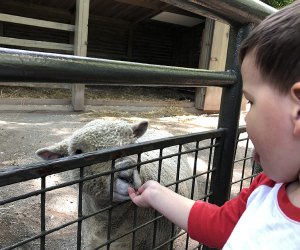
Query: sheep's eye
point(78, 151)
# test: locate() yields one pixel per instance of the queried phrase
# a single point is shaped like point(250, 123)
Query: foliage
point(278, 3)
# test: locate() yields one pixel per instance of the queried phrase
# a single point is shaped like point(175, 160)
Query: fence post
point(204, 59)
point(80, 48)
point(229, 119)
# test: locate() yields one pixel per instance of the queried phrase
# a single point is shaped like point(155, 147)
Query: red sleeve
point(212, 225)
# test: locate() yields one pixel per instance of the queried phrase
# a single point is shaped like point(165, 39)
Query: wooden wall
point(149, 42)
point(48, 29)
point(35, 33)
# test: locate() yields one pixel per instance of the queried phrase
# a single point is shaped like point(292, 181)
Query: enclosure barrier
point(217, 147)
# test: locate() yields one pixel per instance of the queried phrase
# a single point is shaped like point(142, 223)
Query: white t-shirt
point(261, 217)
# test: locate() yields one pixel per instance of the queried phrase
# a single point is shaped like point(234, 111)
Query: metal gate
point(217, 147)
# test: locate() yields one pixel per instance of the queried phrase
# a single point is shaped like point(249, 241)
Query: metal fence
point(199, 148)
point(220, 159)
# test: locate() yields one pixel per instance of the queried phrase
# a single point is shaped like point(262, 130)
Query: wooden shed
point(145, 31)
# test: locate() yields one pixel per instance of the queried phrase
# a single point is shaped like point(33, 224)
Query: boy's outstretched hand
point(142, 197)
point(173, 206)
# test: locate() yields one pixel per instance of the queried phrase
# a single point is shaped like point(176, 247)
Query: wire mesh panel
point(245, 169)
point(55, 204)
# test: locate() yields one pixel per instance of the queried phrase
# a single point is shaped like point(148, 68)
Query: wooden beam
point(36, 22)
point(217, 62)
point(36, 10)
point(152, 14)
point(80, 48)
point(130, 42)
point(149, 4)
point(157, 7)
point(204, 59)
point(103, 19)
point(1, 29)
point(35, 44)
point(37, 85)
point(81, 27)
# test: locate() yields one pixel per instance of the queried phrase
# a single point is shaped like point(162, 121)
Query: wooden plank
point(80, 48)
point(1, 29)
point(130, 43)
point(217, 62)
point(149, 4)
point(81, 27)
point(37, 85)
point(109, 20)
point(36, 22)
point(33, 101)
point(36, 11)
point(204, 59)
point(35, 44)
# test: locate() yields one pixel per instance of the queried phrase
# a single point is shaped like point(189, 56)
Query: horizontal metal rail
point(229, 11)
point(29, 66)
point(13, 175)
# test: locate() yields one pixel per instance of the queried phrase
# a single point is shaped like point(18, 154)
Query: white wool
point(99, 134)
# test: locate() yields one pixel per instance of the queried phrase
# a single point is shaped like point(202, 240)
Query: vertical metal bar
point(43, 213)
point(229, 119)
point(209, 167)
point(79, 225)
point(110, 209)
point(217, 161)
point(176, 188)
point(244, 163)
point(193, 185)
point(178, 167)
point(135, 209)
point(156, 214)
point(195, 170)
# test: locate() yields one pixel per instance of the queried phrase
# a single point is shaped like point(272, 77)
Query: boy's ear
point(295, 92)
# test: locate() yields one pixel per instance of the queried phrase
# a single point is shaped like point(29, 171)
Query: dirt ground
point(23, 132)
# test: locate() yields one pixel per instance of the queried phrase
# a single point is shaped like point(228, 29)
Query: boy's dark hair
point(276, 46)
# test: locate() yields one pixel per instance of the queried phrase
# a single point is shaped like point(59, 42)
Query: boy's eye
point(250, 102)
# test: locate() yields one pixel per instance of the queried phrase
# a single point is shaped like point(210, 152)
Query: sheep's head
point(97, 135)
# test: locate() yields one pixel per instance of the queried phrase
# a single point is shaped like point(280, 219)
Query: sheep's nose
point(127, 177)
point(130, 176)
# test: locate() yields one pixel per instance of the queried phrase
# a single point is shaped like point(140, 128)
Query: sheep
point(101, 134)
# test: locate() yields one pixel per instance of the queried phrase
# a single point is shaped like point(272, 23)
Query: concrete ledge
point(36, 104)
point(95, 102)
point(33, 101)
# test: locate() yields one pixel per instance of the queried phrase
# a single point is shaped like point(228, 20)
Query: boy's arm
point(173, 206)
point(205, 222)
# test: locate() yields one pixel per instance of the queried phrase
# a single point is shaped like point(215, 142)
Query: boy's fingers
point(141, 189)
point(130, 190)
point(131, 193)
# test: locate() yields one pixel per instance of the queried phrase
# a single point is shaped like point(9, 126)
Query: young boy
point(267, 214)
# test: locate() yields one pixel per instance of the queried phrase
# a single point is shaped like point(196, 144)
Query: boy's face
point(269, 125)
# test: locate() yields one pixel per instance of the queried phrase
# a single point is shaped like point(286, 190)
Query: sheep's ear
point(46, 154)
point(55, 151)
point(139, 129)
